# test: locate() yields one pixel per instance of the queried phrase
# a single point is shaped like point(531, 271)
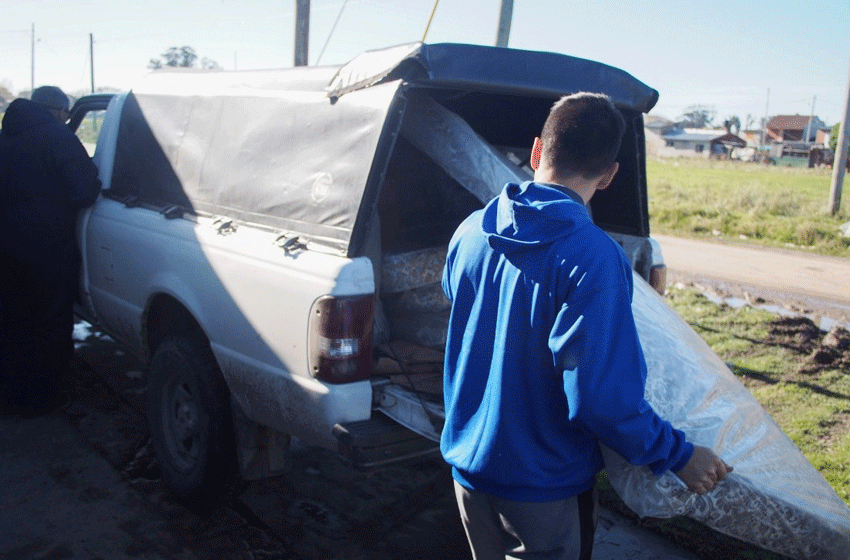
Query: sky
point(747, 58)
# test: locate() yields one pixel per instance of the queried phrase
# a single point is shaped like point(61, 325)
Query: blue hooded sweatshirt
point(542, 356)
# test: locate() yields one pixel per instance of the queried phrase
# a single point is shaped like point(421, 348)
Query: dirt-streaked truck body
point(271, 243)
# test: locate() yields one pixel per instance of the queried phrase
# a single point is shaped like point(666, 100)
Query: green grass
point(769, 205)
point(90, 127)
point(813, 409)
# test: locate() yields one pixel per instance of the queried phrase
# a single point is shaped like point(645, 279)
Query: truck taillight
point(341, 338)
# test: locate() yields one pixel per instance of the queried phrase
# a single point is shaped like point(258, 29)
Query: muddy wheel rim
point(181, 422)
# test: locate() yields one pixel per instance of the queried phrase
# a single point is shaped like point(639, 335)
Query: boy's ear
point(536, 149)
point(606, 179)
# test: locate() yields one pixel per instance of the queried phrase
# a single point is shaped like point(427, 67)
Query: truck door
point(87, 120)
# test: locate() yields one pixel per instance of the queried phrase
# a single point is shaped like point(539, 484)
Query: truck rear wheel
point(190, 419)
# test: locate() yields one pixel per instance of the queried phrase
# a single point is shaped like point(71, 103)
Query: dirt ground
point(82, 483)
point(783, 281)
point(824, 351)
point(808, 326)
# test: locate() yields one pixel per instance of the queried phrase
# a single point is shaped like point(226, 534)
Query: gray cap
point(51, 97)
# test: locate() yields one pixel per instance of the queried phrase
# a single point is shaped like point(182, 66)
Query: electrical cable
point(427, 27)
point(435, 421)
point(333, 28)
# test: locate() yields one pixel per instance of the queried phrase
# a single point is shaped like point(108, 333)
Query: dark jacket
point(46, 177)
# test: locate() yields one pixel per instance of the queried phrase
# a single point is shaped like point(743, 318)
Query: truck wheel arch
point(166, 315)
point(190, 419)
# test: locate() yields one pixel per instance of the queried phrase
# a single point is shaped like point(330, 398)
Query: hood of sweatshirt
point(529, 215)
point(23, 114)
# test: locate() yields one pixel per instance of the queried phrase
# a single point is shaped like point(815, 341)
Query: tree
point(209, 64)
point(697, 116)
point(732, 122)
point(181, 57)
point(6, 91)
point(833, 137)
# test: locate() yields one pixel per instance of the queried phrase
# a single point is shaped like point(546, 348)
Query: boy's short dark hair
point(582, 134)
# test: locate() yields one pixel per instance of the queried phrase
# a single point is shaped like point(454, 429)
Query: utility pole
point(505, 16)
point(302, 31)
point(91, 56)
point(764, 123)
point(32, 59)
point(839, 164)
point(809, 124)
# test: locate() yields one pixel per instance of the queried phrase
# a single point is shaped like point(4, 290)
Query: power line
point(333, 28)
point(427, 27)
point(134, 37)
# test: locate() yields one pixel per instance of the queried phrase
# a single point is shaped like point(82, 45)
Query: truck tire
point(190, 419)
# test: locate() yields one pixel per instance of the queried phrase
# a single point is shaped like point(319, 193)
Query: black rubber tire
point(190, 419)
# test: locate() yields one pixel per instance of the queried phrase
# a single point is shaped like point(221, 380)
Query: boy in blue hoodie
point(543, 360)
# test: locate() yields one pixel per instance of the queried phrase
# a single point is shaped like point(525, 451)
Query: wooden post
point(839, 164)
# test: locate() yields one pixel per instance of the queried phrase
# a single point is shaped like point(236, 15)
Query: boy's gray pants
point(504, 529)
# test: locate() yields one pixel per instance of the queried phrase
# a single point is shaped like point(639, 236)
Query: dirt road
point(795, 280)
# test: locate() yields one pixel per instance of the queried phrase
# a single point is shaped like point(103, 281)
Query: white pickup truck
point(271, 243)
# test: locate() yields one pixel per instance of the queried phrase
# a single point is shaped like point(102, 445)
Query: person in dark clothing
point(46, 177)
point(543, 360)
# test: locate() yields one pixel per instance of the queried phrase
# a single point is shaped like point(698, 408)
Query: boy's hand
point(703, 470)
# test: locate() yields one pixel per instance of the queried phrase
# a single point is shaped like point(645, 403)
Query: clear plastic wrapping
point(774, 498)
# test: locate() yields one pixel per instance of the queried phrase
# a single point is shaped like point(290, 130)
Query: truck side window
point(89, 130)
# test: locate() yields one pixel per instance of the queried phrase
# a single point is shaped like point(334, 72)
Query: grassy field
point(770, 205)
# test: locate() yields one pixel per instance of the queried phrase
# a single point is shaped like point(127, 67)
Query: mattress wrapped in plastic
point(774, 498)
point(413, 299)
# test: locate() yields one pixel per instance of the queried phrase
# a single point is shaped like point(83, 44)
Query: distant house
point(793, 128)
point(699, 143)
point(654, 128)
point(752, 137)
